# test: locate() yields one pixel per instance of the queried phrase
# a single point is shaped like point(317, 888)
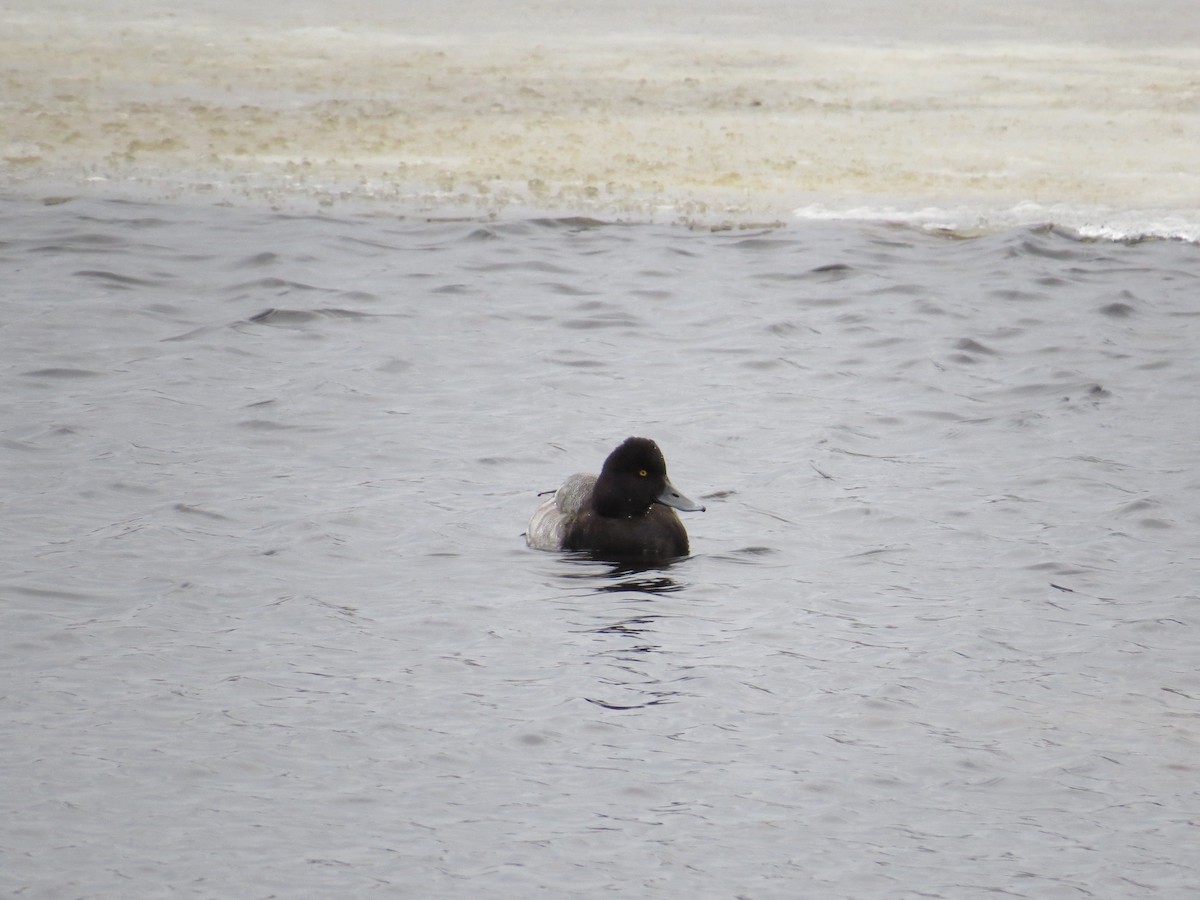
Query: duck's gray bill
point(672, 497)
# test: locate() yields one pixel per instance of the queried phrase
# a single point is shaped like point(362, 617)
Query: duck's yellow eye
point(643, 473)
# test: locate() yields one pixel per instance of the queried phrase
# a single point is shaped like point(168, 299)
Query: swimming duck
point(625, 513)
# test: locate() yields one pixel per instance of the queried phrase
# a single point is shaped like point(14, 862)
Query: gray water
point(270, 628)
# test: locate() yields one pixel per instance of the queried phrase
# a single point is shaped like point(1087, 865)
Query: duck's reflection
point(623, 631)
point(606, 576)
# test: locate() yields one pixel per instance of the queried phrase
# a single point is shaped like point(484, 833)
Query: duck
point(626, 512)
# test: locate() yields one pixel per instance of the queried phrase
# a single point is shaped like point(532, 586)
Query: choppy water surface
point(270, 629)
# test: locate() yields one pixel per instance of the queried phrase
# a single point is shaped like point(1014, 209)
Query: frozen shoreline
point(706, 120)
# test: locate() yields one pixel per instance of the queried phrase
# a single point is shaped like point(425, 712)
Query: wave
point(1089, 223)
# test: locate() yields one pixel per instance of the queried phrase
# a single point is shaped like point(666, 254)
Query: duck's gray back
point(574, 493)
point(548, 526)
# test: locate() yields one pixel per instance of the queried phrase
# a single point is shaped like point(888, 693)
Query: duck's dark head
point(633, 479)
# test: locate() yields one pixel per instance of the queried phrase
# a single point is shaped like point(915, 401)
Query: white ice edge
point(1087, 222)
